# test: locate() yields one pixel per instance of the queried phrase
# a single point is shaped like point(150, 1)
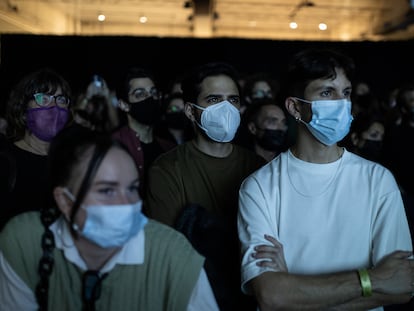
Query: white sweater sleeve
point(202, 298)
point(14, 293)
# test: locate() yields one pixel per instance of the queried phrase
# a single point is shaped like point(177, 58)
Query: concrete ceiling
point(346, 20)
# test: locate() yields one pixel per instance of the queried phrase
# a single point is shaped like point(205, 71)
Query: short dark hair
point(312, 64)
point(261, 76)
point(192, 81)
point(252, 111)
point(133, 73)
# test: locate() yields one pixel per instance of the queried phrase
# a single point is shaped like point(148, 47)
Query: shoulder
point(248, 155)
point(179, 153)
point(165, 144)
point(123, 131)
point(22, 232)
point(165, 237)
point(266, 172)
point(374, 171)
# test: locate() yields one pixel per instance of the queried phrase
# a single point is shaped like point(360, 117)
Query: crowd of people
point(271, 194)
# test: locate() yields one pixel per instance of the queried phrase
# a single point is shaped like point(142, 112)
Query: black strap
point(91, 288)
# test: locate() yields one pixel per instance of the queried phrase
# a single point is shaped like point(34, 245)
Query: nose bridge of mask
point(113, 225)
point(328, 109)
point(206, 117)
point(211, 119)
point(219, 121)
point(331, 120)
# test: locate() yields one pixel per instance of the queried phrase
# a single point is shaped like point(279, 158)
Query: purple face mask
point(46, 122)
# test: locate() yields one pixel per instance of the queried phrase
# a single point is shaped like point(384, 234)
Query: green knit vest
point(163, 282)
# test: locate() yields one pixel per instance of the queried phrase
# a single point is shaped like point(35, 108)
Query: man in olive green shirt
point(203, 176)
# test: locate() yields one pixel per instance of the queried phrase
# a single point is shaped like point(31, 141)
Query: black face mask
point(272, 140)
point(146, 112)
point(371, 150)
point(176, 120)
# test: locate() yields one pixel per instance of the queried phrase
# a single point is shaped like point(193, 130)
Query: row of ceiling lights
point(293, 25)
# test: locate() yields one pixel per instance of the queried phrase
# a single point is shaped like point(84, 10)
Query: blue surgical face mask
point(111, 225)
point(331, 120)
point(219, 121)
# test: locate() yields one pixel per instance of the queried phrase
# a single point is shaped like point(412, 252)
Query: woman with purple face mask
point(37, 109)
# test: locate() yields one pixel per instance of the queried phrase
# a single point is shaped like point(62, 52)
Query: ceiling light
point(293, 25)
point(101, 17)
point(323, 26)
point(143, 19)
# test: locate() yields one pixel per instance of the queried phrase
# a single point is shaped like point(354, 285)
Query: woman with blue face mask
point(94, 248)
point(338, 217)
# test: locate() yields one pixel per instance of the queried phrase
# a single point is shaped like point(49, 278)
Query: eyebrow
point(331, 88)
point(111, 183)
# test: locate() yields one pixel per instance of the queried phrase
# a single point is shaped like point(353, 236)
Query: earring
point(298, 119)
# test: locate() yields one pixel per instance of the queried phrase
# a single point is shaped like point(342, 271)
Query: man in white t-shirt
point(339, 218)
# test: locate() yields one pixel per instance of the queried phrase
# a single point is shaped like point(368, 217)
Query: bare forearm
point(365, 303)
point(283, 291)
point(391, 281)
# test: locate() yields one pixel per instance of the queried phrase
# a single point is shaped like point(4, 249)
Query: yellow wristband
point(365, 282)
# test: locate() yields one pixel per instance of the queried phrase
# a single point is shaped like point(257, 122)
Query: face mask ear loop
point(69, 194)
point(72, 198)
point(198, 107)
point(198, 124)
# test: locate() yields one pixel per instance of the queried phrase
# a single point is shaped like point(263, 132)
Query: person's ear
point(189, 111)
point(123, 105)
point(354, 139)
point(252, 127)
point(63, 202)
point(292, 108)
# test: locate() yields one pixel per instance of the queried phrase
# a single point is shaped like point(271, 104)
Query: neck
point(94, 256)
point(144, 132)
point(33, 144)
point(317, 154)
point(212, 148)
point(266, 154)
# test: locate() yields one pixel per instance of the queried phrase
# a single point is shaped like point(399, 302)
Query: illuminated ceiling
point(346, 20)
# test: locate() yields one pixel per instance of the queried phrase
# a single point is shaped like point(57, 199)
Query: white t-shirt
point(332, 217)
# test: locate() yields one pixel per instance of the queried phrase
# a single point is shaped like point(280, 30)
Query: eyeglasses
point(44, 100)
point(141, 93)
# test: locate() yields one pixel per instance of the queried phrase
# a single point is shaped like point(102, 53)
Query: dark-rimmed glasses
point(44, 100)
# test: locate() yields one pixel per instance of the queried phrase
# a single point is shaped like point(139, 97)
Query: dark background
point(384, 65)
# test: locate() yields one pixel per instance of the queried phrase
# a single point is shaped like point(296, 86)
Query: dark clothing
point(198, 194)
point(398, 155)
point(143, 154)
point(26, 176)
